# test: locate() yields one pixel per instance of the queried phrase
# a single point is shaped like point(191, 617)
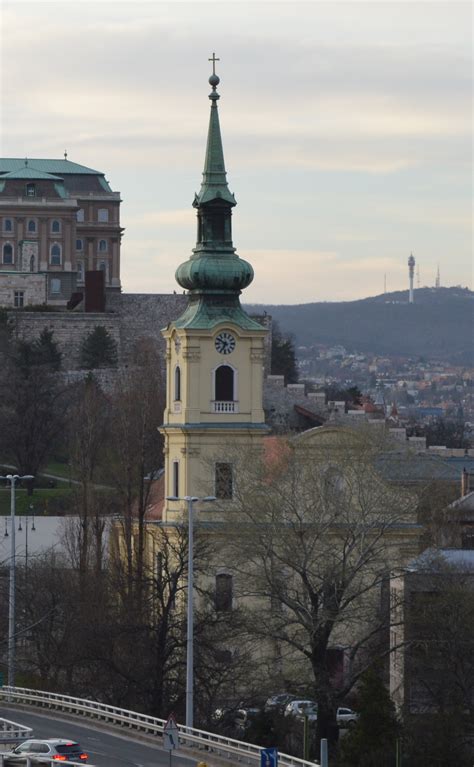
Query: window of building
point(103, 215)
point(223, 481)
point(55, 226)
point(80, 215)
point(32, 263)
point(31, 226)
point(80, 271)
point(103, 246)
point(55, 285)
point(7, 225)
point(177, 383)
point(8, 253)
point(79, 245)
point(55, 257)
point(224, 592)
point(31, 190)
point(224, 383)
point(18, 298)
point(467, 539)
point(175, 479)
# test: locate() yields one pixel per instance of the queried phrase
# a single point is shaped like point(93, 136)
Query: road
point(105, 749)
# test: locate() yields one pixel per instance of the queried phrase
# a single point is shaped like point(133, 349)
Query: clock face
point(225, 343)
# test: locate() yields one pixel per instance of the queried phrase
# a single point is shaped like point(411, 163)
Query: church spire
point(214, 275)
point(214, 181)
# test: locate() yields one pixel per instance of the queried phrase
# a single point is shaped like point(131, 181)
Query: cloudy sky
point(346, 128)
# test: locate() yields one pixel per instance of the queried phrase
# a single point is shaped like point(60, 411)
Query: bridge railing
point(200, 740)
point(12, 732)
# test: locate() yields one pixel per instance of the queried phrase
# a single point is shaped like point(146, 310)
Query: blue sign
point(269, 757)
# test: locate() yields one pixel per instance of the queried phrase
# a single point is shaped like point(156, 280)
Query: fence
point(199, 740)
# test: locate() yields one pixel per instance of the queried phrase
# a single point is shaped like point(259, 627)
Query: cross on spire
point(213, 63)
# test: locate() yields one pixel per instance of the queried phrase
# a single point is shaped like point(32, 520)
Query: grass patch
point(44, 501)
point(59, 470)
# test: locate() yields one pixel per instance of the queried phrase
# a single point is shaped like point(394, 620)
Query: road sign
point(170, 734)
point(269, 757)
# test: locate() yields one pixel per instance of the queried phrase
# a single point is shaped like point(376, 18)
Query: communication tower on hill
point(411, 273)
point(438, 279)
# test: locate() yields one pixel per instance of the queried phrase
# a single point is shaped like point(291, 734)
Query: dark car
point(277, 703)
point(40, 752)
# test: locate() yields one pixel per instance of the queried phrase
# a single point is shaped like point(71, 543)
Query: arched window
point(55, 226)
point(55, 255)
point(103, 246)
point(80, 215)
point(7, 225)
point(224, 384)
point(177, 383)
point(32, 226)
point(224, 592)
point(8, 253)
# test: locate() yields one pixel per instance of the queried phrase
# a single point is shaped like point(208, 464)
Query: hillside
point(438, 325)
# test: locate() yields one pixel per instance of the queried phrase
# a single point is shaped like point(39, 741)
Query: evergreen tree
point(47, 350)
point(372, 742)
point(98, 349)
point(283, 355)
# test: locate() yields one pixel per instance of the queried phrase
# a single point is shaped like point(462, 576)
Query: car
point(278, 702)
point(301, 709)
point(346, 717)
point(41, 752)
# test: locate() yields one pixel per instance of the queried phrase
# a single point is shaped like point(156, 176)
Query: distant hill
point(438, 324)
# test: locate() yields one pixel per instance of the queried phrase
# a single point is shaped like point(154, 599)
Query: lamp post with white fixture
point(190, 501)
point(13, 479)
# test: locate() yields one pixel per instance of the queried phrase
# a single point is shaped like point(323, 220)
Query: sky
point(347, 131)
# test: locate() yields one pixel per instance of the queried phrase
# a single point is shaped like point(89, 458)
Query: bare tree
point(312, 535)
point(136, 455)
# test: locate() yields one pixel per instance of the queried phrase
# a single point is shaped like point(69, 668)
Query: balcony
point(225, 406)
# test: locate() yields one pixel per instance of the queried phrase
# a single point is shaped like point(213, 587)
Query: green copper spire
point(214, 181)
point(214, 275)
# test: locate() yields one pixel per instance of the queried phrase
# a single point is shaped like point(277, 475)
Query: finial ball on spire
point(214, 80)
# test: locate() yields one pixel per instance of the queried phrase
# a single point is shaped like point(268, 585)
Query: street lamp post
point(190, 501)
point(13, 479)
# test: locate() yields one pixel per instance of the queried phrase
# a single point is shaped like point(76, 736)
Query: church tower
point(215, 351)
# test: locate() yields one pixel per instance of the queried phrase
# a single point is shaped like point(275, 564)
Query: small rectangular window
point(176, 479)
point(224, 480)
point(18, 298)
point(79, 245)
point(103, 215)
point(224, 592)
point(55, 285)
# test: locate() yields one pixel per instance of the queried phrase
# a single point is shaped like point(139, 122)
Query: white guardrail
point(200, 740)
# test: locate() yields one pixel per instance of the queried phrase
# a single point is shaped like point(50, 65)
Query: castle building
point(215, 351)
point(58, 220)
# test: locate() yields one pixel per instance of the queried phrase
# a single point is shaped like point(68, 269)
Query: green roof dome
point(219, 274)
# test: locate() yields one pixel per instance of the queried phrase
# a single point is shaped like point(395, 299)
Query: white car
point(301, 708)
point(346, 717)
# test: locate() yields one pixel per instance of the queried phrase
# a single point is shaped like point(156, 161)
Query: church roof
point(205, 315)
